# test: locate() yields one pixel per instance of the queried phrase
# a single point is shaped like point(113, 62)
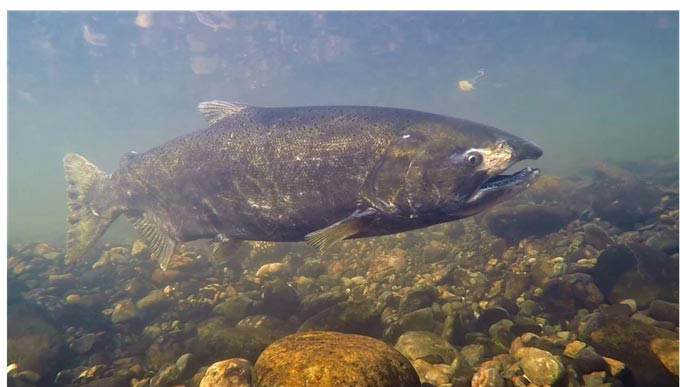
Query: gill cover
point(385, 188)
point(416, 174)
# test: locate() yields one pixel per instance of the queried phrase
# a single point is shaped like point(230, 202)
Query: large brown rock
point(563, 296)
point(513, 223)
point(646, 349)
point(329, 359)
point(551, 189)
point(619, 197)
point(635, 271)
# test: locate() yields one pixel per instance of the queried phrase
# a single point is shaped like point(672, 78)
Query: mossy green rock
point(419, 297)
point(427, 346)
point(155, 300)
point(124, 311)
point(329, 359)
point(164, 349)
point(110, 381)
point(33, 340)
point(513, 223)
point(347, 317)
point(539, 366)
point(234, 308)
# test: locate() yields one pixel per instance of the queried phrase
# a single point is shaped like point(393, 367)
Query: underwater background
point(586, 86)
point(572, 283)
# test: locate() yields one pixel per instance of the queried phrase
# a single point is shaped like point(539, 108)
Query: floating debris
point(216, 20)
point(469, 84)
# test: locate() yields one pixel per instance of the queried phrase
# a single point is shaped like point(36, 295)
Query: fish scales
point(273, 173)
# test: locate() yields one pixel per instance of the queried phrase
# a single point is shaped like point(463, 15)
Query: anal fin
point(156, 237)
point(352, 225)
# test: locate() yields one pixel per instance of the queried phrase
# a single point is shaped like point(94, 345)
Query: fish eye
point(473, 158)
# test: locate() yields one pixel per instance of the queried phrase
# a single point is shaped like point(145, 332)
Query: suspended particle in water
point(469, 84)
point(93, 38)
point(196, 44)
point(144, 19)
point(201, 64)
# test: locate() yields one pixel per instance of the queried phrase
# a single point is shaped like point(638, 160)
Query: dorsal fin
point(128, 159)
point(214, 111)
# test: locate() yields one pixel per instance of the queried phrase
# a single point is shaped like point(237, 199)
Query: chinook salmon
point(320, 174)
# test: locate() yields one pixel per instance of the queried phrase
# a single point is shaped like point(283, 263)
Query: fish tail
point(89, 213)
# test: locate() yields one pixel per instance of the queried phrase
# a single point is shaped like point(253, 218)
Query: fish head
point(449, 169)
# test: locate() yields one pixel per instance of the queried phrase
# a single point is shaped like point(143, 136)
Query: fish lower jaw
point(527, 175)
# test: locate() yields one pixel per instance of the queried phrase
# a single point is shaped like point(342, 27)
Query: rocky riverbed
point(575, 283)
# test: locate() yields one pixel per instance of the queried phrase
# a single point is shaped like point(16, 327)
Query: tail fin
point(86, 225)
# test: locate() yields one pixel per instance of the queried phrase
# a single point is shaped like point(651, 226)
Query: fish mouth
point(526, 176)
point(518, 181)
point(496, 189)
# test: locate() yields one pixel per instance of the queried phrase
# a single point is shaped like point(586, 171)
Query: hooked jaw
point(518, 181)
point(499, 187)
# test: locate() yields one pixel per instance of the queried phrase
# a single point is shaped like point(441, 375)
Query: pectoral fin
point(156, 237)
point(326, 237)
point(224, 249)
